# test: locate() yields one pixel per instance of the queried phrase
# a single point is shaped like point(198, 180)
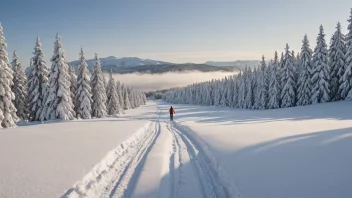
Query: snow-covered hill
point(206, 152)
point(121, 62)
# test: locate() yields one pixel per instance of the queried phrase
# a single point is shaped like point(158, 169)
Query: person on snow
point(172, 112)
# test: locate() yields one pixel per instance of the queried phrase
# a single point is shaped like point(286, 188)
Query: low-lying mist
point(151, 82)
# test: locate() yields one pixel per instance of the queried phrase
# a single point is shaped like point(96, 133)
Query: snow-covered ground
point(294, 152)
point(205, 152)
point(46, 160)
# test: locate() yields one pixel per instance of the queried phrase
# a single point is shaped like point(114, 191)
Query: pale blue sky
point(176, 31)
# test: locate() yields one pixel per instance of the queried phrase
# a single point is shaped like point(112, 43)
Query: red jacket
point(171, 111)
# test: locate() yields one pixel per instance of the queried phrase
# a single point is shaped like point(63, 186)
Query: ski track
point(117, 175)
point(207, 176)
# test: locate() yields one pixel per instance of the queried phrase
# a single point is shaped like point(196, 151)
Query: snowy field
point(45, 160)
point(205, 152)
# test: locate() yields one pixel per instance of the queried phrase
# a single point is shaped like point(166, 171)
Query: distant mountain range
point(239, 63)
point(121, 62)
point(134, 64)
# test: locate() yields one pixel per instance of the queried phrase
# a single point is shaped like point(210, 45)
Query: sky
point(174, 31)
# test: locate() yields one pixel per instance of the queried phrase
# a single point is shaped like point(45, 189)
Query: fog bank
point(150, 82)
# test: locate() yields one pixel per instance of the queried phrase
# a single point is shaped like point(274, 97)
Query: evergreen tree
point(320, 74)
point(288, 92)
point(298, 65)
point(256, 88)
point(242, 91)
point(98, 90)
point(37, 83)
point(304, 81)
point(113, 98)
point(346, 81)
point(83, 96)
point(263, 86)
point(274, 85)
point(20, 88)
point(8, 115)
point(120, 94)
point(73, 85)
point(235, 92)
point(223, 92)
point(59, 102)
point(336, 62)
point(249, 99)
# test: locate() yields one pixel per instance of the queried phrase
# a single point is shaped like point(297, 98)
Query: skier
point(172, 112)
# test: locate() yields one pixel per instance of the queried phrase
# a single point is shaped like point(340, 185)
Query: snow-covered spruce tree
point(298, 67)
point(73, 84)
point(98, 91)
point(241, 91)
point(263, 86)
point(346, 81)
point(224, 93)
point(274, 85)
point(37, 83)
point(280, 70)
point(20, 88)
point(120, 94)
point(126, 100)
point(59, 101)
point(229, 94)
point(249, 99)
point(288, 92)
point(304, 91)
point(336, 62)
point(235, 92)
point(8, 115)
point(256, 87)
point(113, 99)
point(83, 96)
point(131, 96)
point(320, 71)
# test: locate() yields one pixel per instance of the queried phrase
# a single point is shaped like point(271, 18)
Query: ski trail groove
point(117, 175)
point(210, 185)
point(176, 158)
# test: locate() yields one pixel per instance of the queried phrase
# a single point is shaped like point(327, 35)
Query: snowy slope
point(205, 152)
point(294, 152)
point(46, 160)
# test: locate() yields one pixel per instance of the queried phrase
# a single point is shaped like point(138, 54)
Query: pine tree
point(229, 92)
point(263, 86)
point(320, 74)
point(346, 81)
point(133, 104)
point(288, 92)
point(235, 92)
point(304, 81)
point(223, 92)
point(37, 83)
point(73, 85)
point(98, 91)
point(249, 99)
point(59, 101)
point(83, 96)
point(242, 91)
point(8, 115)
point(274, 85)
point(336, 62)
point(298, 65)
point(120, 94)
point(113, 98)
point(20, 88)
